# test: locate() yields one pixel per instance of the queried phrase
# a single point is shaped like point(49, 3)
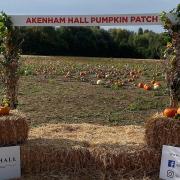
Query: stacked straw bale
point(38, 159)
point(162, 131)
point(13, 129)
point(141, 160)
point(53, 148)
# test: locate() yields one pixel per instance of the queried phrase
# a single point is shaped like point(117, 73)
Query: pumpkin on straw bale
point(161, 130)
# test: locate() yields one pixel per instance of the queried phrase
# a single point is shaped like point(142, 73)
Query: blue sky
point(78, 7)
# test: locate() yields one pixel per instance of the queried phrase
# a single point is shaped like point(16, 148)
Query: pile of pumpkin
point(172, 112)
point(103, 75)
point(154, 85)
point(113, 78)
point(4, 108)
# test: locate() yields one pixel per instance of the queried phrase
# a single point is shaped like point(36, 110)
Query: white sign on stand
point(10, 162)
point(170, 163)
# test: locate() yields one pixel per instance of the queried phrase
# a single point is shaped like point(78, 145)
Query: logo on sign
point(171, 163)
point(170, 174)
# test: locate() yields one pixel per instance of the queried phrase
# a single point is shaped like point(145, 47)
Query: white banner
point(89, 20)
point(170, 163)
point(10, 162)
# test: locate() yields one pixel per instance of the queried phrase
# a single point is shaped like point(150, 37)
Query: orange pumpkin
point(147, 87)
point(178, 111)
point(170, 112)
point(141, 85)
point(4, 111)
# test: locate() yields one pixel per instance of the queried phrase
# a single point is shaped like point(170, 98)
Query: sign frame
point(86, 20)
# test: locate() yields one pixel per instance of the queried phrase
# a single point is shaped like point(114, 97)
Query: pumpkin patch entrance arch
point(10, 47)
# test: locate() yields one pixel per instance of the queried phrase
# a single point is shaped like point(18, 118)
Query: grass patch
point(143, 104)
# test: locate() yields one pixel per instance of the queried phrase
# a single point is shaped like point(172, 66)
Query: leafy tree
point(140, 31)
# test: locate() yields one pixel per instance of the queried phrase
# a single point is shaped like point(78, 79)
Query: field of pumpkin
point(91, 90)
point(92, 103)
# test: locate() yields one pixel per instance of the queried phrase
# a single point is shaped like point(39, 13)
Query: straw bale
point(37, 159)
point(89, 135)
point(112, 151)
point(162, 131)
point(78, 147)
point(13, 129)
point(142, 160)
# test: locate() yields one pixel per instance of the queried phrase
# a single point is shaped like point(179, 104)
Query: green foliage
point(5, 102)
point(92, 42)
point(167, 22)
point(10, 42)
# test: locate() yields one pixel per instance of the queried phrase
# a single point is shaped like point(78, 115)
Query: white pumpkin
point(156, 87)
point(100, 82)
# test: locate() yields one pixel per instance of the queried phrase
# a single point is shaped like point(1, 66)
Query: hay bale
point(162, 131)
point(84, 147)
point(13, 129)
point(128, 163)
point(37, 159)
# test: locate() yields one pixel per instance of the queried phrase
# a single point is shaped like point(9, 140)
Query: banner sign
point(170, 163)
point(89, 20)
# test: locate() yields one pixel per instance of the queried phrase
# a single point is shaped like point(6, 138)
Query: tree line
point(92, 42)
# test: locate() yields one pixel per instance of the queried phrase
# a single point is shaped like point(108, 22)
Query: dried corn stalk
point(171, 22)
point(10, 49)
